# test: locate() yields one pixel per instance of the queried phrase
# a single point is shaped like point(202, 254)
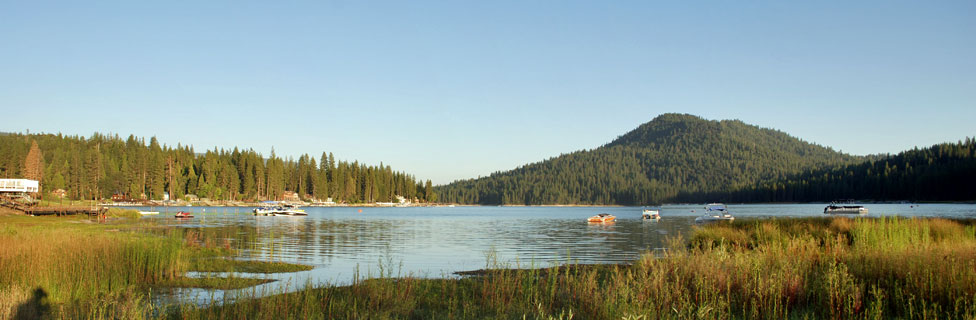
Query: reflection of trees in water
point(583, 242)
point(36, 307)
point(321, 241)
point(326, 239)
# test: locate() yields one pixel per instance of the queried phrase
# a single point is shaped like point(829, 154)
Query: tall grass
point(771, 269)
point(762, 269)
point(74, 267)
point(72, 261)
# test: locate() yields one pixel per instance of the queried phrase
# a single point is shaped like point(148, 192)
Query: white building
point(19, 186)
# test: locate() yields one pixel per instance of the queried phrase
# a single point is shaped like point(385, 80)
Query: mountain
point(674, 157)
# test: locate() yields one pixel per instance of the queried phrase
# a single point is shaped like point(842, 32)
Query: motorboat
point(184, 215)
point(715, 212)
point(847, 208)
point(272, 208)
point(150, 212)
point(651, 214)
point(602, 218)
point(267, 208)
point(289, 210)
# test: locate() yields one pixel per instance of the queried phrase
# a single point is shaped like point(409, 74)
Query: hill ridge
point(673, 157)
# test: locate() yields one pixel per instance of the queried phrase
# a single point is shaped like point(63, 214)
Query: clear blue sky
point(457, 89)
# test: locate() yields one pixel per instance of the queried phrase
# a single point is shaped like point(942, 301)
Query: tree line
point(104, 165)
point(943, 172)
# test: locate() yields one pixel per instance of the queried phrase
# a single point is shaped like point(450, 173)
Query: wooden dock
point(49, 210)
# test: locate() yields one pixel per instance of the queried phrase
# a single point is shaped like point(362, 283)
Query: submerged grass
point(123, 213)
point(768, 269)
point(222, 283)
point(248, 266)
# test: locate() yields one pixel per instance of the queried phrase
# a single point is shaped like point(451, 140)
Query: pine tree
point(34, 164)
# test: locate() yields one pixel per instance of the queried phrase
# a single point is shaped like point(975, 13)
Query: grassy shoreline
point(813, 268)
point(864, 268)
point(77, 267)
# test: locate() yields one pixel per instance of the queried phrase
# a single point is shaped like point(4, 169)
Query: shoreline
point(446, 205)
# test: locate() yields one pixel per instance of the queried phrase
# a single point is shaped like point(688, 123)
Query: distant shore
point(411, 205)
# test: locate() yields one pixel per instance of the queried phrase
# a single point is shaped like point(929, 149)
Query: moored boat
point(651, 214)
point(148, 212)
point(289, 210)
point(715, 212)
point(267, 208)
point(271, 208)
point(184, 215)
point(848, 208)
point(601, 218)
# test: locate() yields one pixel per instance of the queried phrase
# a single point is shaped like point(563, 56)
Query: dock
point(32, 210)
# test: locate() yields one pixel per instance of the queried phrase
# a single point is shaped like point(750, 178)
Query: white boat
point(272, 208)
point(148, 212)
point(267, 208)
point(289, 210)
point(651, 214)
point(848, 208)
point(715, 212)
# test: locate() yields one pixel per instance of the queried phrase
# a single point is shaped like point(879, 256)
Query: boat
point(267, 208)
point(150, 212)
point(184, 215)
point(272, 208)
point(651, 214)
point(844, 207)
point(715, 212)
point(289, 210)
point(601, 218)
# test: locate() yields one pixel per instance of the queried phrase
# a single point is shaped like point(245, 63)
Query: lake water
point(437, 241)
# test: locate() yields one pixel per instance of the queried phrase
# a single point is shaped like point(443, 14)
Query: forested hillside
point(668, 158)
point(103, 165)
point(943, 172)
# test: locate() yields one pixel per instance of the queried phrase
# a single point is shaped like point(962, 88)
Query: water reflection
point(434, 242)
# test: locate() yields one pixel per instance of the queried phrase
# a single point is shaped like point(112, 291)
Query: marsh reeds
point(72, 267)
point(72, 261)
point(767, 269)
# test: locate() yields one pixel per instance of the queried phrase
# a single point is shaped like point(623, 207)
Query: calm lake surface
point(437, 241)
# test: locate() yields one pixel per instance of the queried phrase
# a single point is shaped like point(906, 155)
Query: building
point(59, 193)
point(290, 196)
point(19, 186)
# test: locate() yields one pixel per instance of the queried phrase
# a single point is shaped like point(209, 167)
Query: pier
point(32, 210)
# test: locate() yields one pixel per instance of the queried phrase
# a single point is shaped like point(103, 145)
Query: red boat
point(184, 215)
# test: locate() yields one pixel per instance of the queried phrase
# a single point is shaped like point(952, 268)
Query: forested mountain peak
point(666, 159)
point(660, 129)
point(671, 129)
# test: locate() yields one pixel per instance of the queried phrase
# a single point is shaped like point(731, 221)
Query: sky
point(450, 90)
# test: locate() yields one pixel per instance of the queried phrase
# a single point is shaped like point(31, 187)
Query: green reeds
point(68, 260)
point(769, 269)
point(73, 268)
point(123, 213)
